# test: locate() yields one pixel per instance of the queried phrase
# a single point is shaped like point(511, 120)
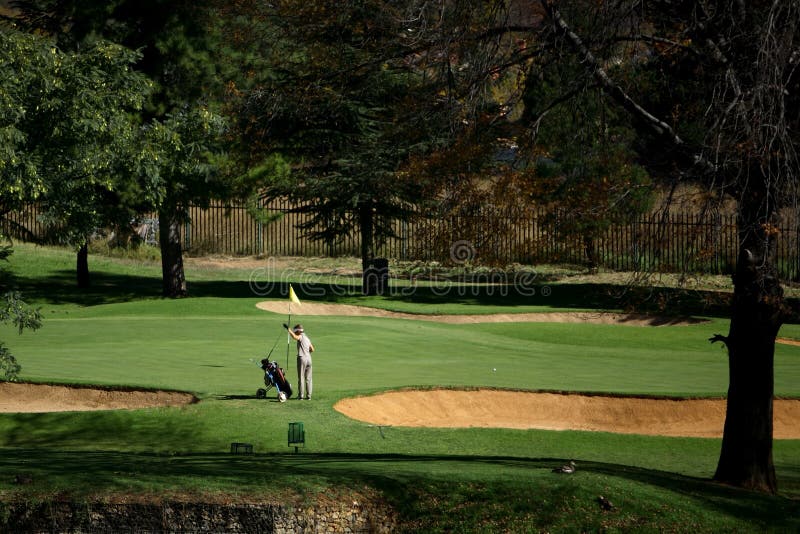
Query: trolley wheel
point(261, 393)
point(282, 396)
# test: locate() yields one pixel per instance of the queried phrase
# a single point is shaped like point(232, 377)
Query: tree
point(343, 101)
point(186, 163)
point(69, 133)
point(586, 172)
point(175, 56)
point(177, 42)
point(729, 119)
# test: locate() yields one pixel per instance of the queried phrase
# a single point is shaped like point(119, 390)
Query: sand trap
point(318, 308)
point(445, 408)
point(40, 398)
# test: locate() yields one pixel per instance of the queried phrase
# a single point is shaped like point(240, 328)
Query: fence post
point(260, 238)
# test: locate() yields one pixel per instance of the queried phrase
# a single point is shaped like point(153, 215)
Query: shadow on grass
point(109, 288)
point(416, 485)
point(169, 428)
point(653, 300)
point(106, 288)
point(271, 397)
point(744, 504)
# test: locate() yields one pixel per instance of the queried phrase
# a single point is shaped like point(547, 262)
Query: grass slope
point(120, 333)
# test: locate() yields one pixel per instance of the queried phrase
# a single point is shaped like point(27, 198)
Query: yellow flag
point(292, 295)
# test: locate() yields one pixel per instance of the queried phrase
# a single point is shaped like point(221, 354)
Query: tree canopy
point(346, 104)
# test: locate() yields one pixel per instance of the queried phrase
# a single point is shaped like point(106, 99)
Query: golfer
point(304, 350)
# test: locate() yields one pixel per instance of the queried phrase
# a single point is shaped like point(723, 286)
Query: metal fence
point(676, 242)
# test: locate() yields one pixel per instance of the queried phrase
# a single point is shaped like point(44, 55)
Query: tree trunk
point(82, 270)
point(172, 276)
point(756, 316)
point(591, 252)
point(366, 225)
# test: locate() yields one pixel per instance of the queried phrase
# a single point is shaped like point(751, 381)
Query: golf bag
point(274, 377)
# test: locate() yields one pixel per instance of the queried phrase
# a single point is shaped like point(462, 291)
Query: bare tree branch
point(656, 125)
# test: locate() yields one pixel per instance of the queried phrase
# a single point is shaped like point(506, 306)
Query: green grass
point(119, 333)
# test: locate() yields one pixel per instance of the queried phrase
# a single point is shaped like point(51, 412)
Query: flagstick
point(292, 298)
point(288, 337)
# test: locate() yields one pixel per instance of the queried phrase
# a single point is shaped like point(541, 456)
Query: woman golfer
point(304, 350)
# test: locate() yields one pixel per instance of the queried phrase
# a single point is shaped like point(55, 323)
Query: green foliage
point(69, 137)
point(334, 100)
point(27, 67)
point(586, 171)
point(13, 311)
point(9, 367)
point(186, 159)
point(171, 37)
point(274, 170)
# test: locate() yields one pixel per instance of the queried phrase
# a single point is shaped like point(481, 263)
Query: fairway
point(451, 408)
point(117, 339)
point(529, 410)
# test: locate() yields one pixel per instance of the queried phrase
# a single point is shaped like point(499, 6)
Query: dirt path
point(444, 408)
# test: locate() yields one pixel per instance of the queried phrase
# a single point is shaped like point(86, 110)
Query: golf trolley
point(274, 377)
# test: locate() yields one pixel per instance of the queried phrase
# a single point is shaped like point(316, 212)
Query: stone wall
point(50, 516)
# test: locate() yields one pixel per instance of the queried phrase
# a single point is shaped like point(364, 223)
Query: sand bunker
point(39, 398)
point(317, 308)
point(445, 408)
